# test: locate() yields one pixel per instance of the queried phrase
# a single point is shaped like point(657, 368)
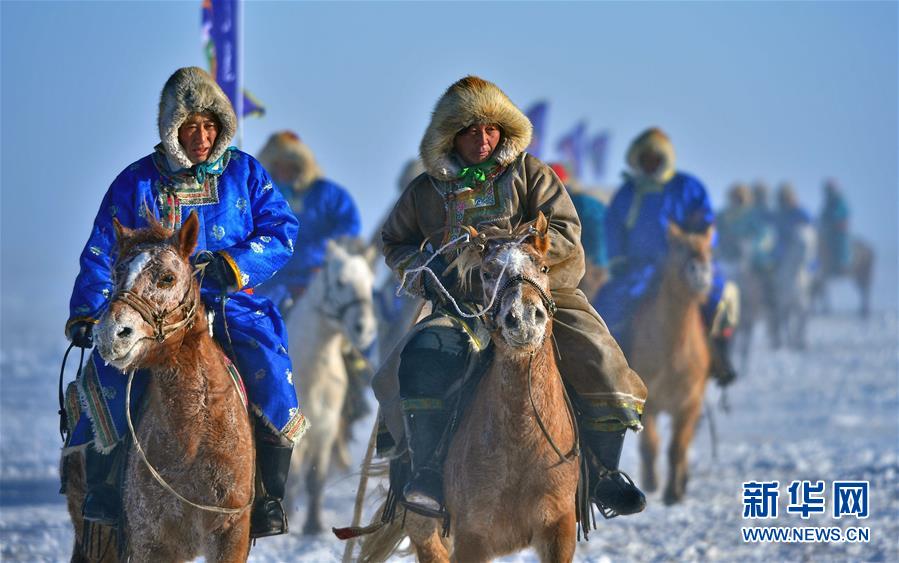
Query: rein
point(157, 476)
point(575, 449)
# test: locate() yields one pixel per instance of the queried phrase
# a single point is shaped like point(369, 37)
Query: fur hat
point(286, 146)
point(656, 140)
point(191, 90)
point(470, 101)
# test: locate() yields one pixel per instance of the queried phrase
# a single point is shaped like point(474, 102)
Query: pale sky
point(769, 90)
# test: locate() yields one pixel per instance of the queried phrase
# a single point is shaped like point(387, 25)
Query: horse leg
point(315, 481)
point(425, 537)
point(557, 542)
point(683, 428)
point(649, 448)
point(232, 545)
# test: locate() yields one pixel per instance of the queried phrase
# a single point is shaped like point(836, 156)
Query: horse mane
point(153, 233)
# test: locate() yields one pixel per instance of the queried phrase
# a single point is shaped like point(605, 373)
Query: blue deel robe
point(592, 213)
point(637, 242)
point(834, 228)
point(788, 221)
point(240, 215)
point(325, 211)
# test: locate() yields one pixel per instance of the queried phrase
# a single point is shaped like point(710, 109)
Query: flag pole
point(238, 95)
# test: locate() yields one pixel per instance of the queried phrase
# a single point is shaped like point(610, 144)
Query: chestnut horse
point(194, 429)
point(670, 350)
point(505, 484)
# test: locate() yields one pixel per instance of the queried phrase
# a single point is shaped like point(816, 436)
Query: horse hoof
point(672, 497)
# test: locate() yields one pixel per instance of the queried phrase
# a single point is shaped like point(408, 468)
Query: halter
point(328, 312)
point(522, 279)
point(155, 316)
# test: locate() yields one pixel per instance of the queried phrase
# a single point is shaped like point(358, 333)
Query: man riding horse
point(325, 210)
point(653, 195)
point(246, 233)
point(477, 174)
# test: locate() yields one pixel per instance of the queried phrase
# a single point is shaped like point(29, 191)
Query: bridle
point(521, 279)
point(156, 316)
point(326, 308)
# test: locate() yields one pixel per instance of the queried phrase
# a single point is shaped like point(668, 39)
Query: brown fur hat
point(191, 90)
point(286, 146)
point(653, 139)
point(469, 101)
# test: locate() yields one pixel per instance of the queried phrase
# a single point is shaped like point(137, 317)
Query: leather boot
point(424, 491)
point(268, 517)
point(721, 368)
point(102, 502)
point(615, 494)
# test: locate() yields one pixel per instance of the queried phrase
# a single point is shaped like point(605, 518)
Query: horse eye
point(544, 269)
point(166, 281)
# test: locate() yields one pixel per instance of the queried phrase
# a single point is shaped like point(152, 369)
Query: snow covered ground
point(830, 413)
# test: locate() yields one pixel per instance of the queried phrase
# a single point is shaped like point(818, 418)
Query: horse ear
point(541, 239)
point(187, 236)
point(371, 255)
point(708, 235)
point(122, 233)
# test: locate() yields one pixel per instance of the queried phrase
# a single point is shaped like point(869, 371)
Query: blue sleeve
point(616, 230)
point(698, 214)
point(93, 285)
point(345, 215)
point(270, 245)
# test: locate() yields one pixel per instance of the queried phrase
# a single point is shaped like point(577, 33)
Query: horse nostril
point(539, 315)
point(359, 328)
point(125, 332)
point(511, 320)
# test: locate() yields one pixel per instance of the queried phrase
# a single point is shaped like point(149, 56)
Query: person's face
point(649, 162)
point(197, 136)
point(476, 143)
point(284, 172)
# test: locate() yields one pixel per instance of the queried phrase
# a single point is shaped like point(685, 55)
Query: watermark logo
point(847, 499)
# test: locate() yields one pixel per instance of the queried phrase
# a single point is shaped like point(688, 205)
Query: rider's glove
point(431, 292)
point(81, 334)
point(216, 269)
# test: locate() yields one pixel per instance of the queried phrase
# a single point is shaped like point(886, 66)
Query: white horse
point(337, 308)
point(793, 278)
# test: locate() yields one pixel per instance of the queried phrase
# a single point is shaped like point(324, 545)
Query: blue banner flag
point(537, 115)
point(571, 149)
point(598, 150)
point(221, 43)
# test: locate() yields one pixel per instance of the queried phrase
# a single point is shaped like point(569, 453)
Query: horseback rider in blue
point(789, 218)
point(653, 195)
point(324, 209)
point(833, 231)
point(247, 232)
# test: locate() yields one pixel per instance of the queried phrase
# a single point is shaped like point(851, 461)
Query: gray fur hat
point(469, 101)
point(191, 90)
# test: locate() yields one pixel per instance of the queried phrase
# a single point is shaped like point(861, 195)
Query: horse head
point(515, 278)
point(155, 293)
point(690, 261)
point(347, 299)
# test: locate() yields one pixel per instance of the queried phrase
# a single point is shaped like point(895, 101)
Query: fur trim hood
point(469, 101)
point(656, 140)
point(191, 90)
point(286, 146)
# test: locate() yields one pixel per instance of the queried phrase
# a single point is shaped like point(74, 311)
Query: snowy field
point(830, 413)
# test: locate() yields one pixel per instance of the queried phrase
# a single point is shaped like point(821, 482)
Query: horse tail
point(384, 541)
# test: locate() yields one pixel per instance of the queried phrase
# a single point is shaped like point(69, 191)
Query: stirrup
point(267, 518)
point(607, 511)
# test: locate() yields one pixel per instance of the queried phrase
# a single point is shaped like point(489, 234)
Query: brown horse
point(194, 430)
point(670, 350)
point(505, 485)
